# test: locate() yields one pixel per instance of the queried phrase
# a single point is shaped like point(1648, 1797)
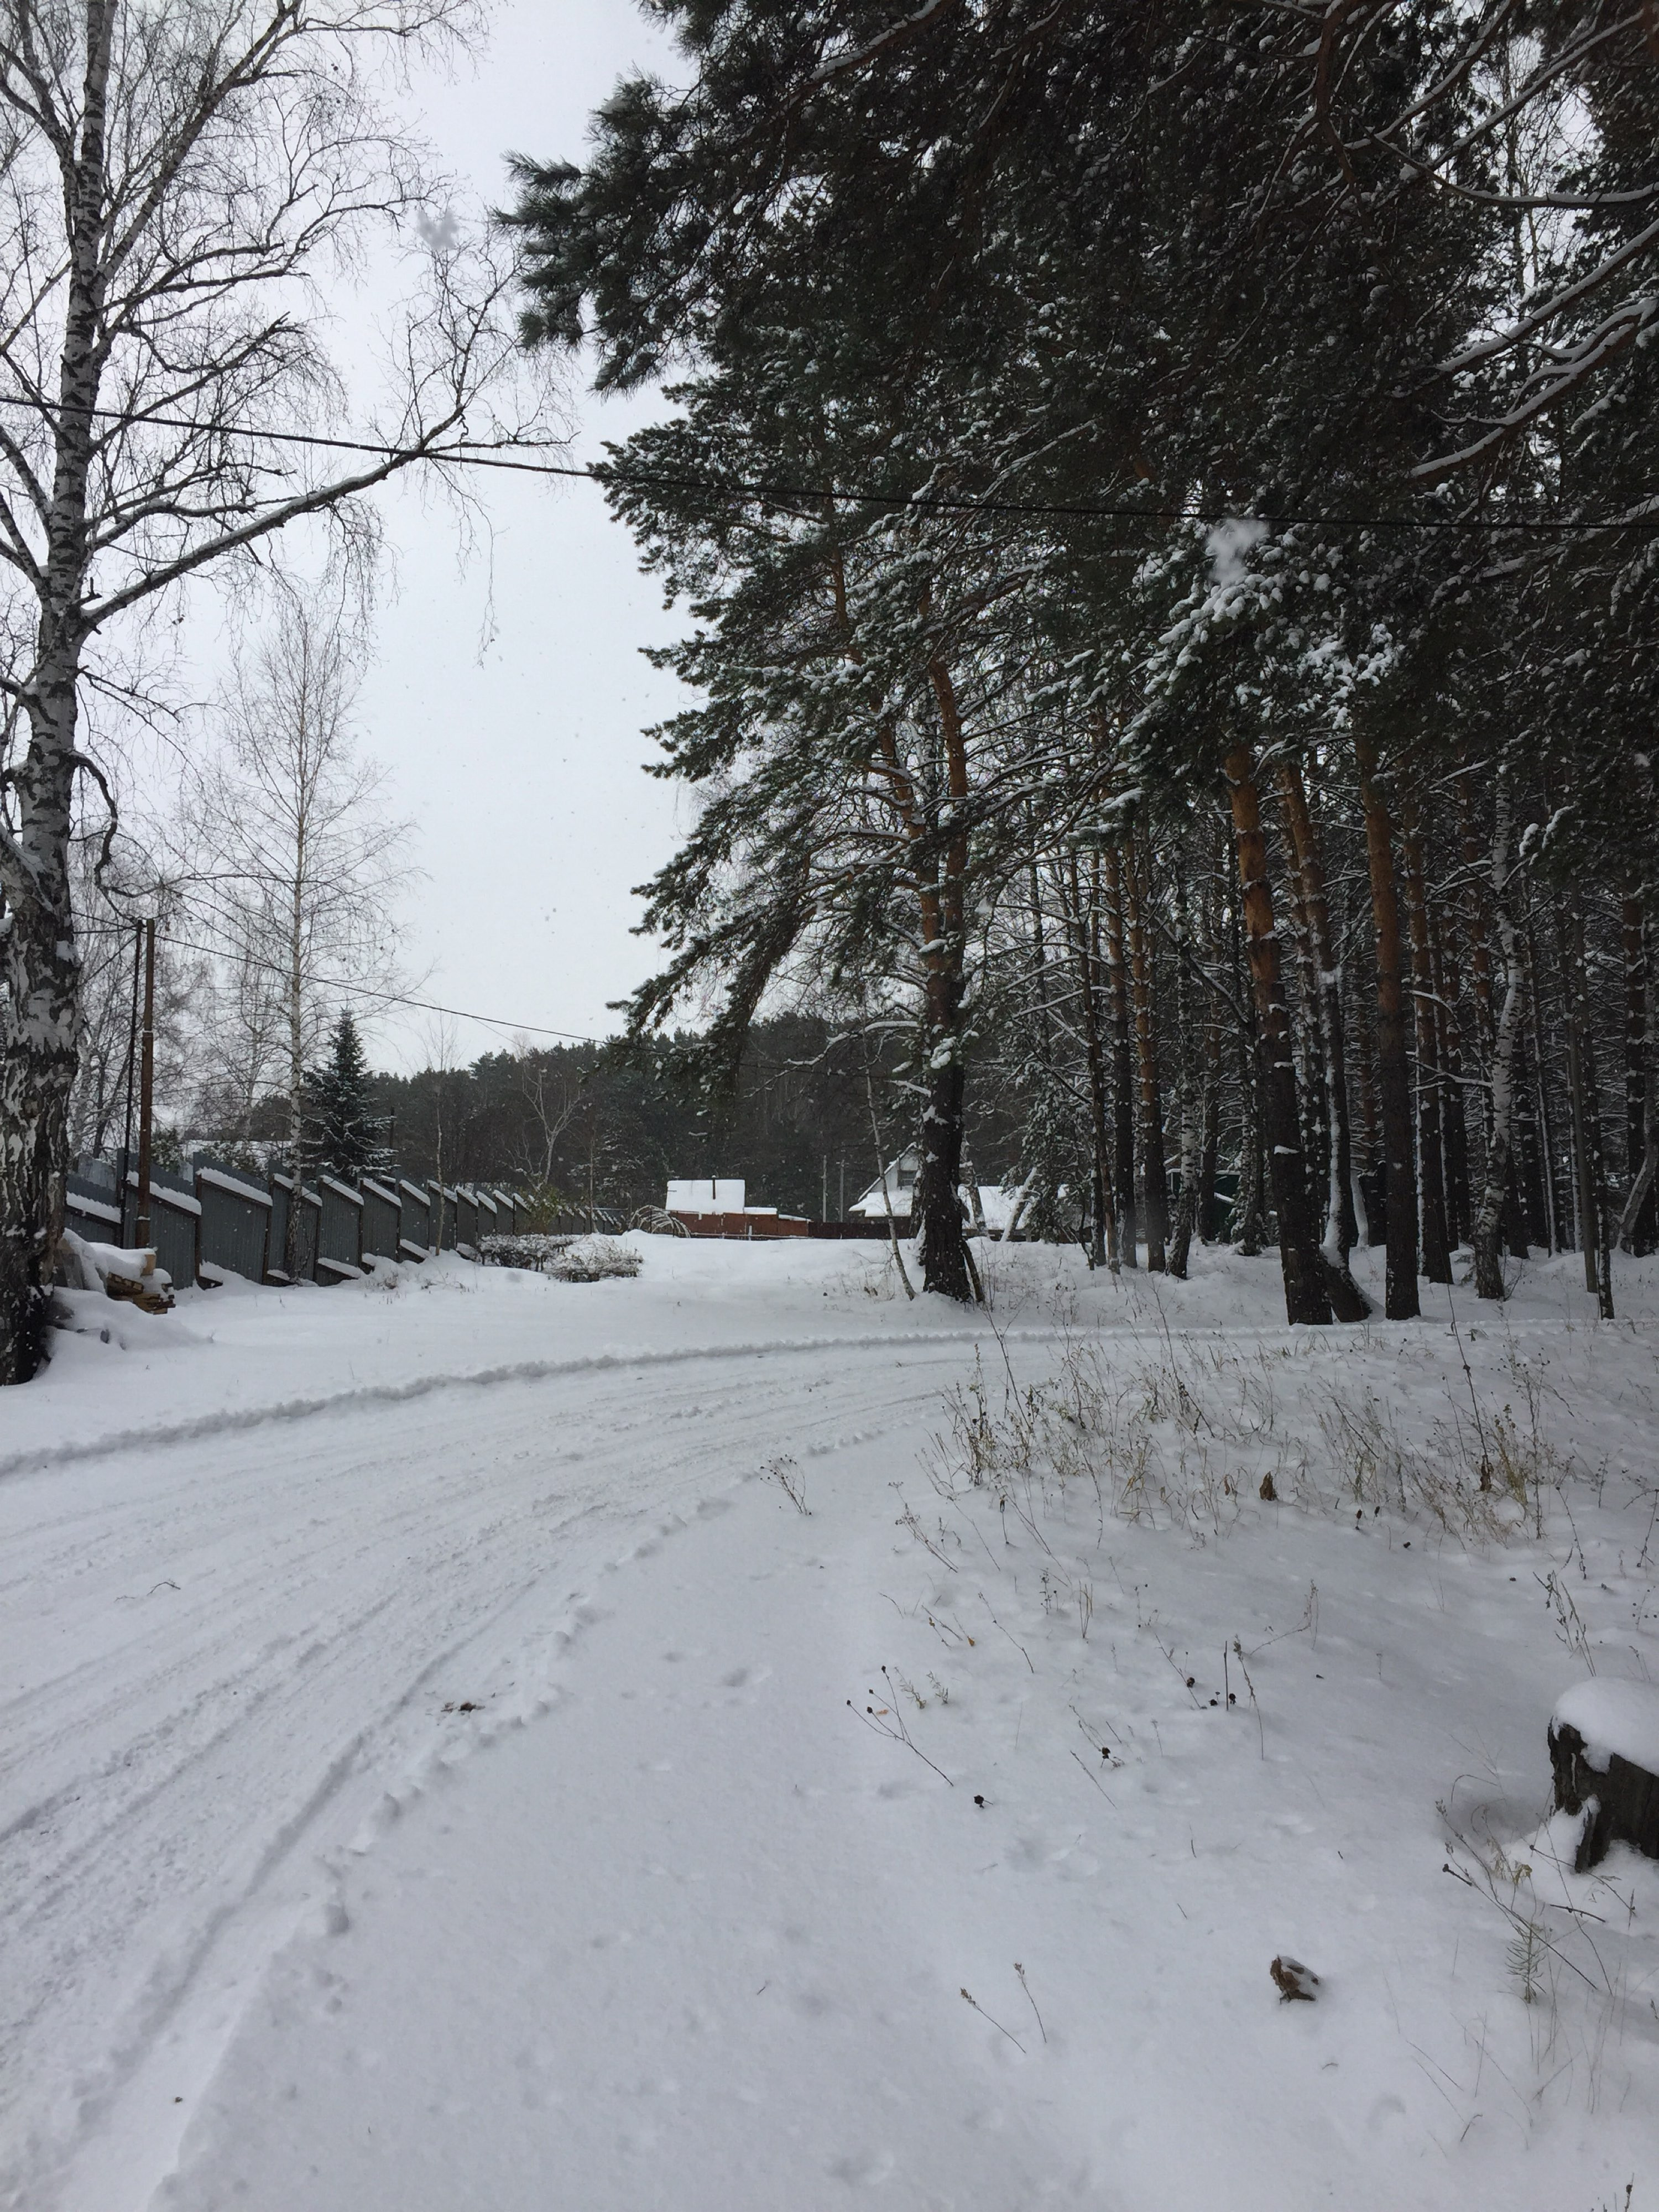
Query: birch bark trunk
point(1500, 1112)
point(1394, 1080)
point(42, 962)
point(167, 170)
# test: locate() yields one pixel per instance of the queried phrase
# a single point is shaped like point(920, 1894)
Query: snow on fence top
point(1615, 1720)
point(242, 1229)
point(164, 1191)
point(220, 1180)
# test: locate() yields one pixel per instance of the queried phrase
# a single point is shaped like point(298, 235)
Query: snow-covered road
point(224, 1650)
point(427, 1779)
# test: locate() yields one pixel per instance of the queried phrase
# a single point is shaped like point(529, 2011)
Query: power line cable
point(467, 455)
point(326, 983)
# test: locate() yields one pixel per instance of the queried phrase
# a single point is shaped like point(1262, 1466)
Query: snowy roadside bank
point(649, 1914)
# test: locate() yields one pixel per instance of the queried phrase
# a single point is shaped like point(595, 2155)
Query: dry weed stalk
point(1184, 1437)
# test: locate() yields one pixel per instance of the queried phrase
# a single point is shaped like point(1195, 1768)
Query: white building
point(696, 1195)
point(896, 1189)
point(987, 1206)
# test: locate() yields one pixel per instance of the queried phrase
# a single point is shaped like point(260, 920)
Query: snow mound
point(1615, 1720)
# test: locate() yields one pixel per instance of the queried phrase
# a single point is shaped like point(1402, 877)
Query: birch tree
point(297, 862)
point(178, 177)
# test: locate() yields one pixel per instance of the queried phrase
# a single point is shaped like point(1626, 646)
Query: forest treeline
point(1164, 502)
point(574, 1125)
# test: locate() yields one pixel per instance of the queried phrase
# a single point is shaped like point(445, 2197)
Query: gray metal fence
point(235, 1222)
point(91, 1206)
point(417, 1235)
point(218, 1219)
point(305, 1243)
point(175, 1221)
point(382, 1221)
point(339, 1231)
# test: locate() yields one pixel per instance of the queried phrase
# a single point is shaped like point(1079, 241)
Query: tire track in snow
point(238, 1420)
point(168, 1784)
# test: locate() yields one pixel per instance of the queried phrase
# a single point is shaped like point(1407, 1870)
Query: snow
point(220, 1180)
point(1614, 1720)
point(479, 1739)
point(709, 1195)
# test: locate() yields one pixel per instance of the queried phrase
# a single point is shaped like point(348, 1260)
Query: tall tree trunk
point(939, 1206)
point(296, 1063)
point(1123, 1092)
point(1500, 1111)
point(41, 962)
point(1308, 1047)
point(1209, 1162)
point(1341, 1226)
point(1085, 953)
point(1460, 1211)
point(1524, 1218)
point(1642, 1235)
point(1363, 1088)
point(1394, 1079)
point(1512, 1223)
point(1307, 1296)
point(1436, 1241)
point(946, 1264)
point(1586, 1098)
point(1186, 1203)
point(1154, 1182)
point(1250, 1217)
point(38, 1066)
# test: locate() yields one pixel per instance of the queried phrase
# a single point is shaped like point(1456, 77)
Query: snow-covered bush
point(567, 1259)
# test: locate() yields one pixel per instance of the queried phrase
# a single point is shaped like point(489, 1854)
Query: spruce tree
point(343, 1135)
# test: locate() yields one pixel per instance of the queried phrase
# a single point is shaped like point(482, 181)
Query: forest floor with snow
point(733, 1738)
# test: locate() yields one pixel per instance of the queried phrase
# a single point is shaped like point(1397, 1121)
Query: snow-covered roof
point(709, 1195)
point(996, 1206)
point(897, 1180)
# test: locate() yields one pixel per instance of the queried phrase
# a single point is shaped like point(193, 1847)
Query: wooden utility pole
point(146, 1087)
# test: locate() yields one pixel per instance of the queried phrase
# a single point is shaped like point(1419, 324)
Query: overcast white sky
point(521, 761)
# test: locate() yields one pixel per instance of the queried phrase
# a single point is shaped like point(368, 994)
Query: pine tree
point(1069, 290)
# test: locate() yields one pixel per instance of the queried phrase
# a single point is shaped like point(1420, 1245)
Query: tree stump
point(1604, 1748)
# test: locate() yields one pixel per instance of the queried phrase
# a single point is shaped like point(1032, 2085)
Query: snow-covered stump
point(1604, 1747)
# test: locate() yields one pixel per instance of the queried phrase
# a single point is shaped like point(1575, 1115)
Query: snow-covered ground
point(445, 1766)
